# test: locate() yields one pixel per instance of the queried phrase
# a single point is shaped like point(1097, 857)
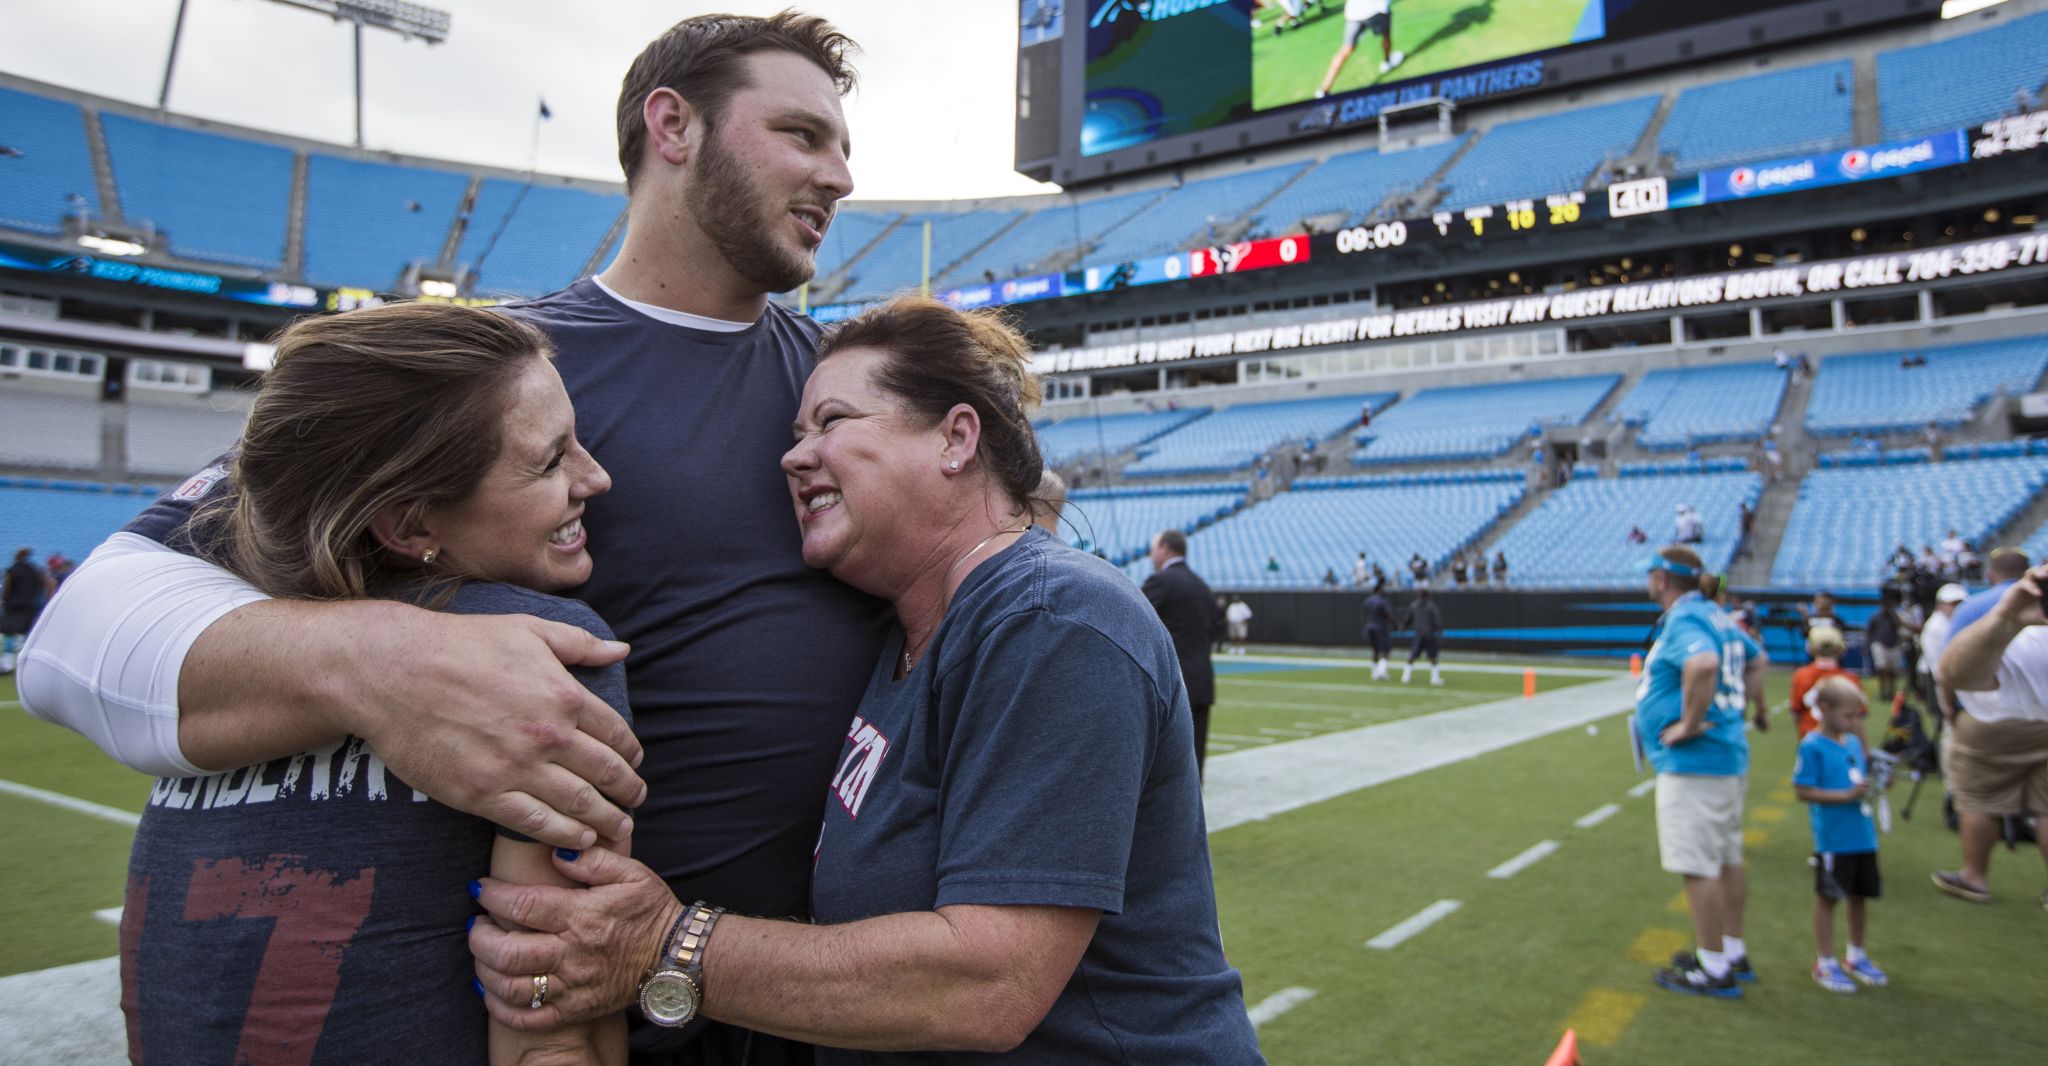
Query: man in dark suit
point(1188, 608)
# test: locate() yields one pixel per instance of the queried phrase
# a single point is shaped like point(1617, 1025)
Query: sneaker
point(1393, 61)
point(1693, 981)
point(1828, 974)
point(1742, 970)
point(1866, 971)
point(1953, 884)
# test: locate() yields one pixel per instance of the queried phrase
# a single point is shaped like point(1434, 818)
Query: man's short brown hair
point(704, 60)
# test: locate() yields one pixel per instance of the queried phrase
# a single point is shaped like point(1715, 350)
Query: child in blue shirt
point(1832, 774)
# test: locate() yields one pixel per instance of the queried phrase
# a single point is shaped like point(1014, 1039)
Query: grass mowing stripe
point(1598, 815)
point(1536, 853)
point(1278, 1004)
point(1416, 923)
point(71, 803)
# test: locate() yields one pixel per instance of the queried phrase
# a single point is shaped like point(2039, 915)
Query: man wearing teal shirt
point(1689, 718)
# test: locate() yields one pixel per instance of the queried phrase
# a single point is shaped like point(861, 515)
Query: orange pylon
point(1528, 684)
point(1635, 665)
point(1567, 1053)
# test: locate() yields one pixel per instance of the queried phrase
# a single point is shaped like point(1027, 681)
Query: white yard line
point(1523, 861)
point(1598, 815)
point(1421, 920)
point(1239, 738)
point(1256, 784)
point(1644, 788)
point(1450, 665)
point(1410, 689)
point(1278, 732)
point(111, 916)
point(71, 803)
point(1278, 1004)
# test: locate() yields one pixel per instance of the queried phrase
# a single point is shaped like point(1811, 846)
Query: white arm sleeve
point(103, 660)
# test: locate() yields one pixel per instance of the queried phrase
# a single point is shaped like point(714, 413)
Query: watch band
point(685, 950)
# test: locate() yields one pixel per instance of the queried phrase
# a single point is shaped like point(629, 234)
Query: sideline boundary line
point(71, 803)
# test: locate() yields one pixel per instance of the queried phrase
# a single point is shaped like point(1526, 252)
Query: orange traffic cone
point(1528, 684)
point(1635, 665)
point(1567, 1053)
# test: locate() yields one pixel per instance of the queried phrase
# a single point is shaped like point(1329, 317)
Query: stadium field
point(1545, 848)
point(1437, 35)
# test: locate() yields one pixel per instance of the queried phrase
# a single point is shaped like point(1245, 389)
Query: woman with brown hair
point(1013, 856)
point(309, 909)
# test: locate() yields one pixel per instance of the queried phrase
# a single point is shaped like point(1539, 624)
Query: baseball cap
point(1951, 593)
point(1825, 641)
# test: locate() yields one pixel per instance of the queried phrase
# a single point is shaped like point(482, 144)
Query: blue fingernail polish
point(470, 924)
point(567, 855)
point(476, 890)
point(478, 985)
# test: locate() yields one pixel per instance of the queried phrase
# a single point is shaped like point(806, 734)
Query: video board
point(1159, 81)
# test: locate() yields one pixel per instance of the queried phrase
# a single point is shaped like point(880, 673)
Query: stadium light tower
point(407, 20)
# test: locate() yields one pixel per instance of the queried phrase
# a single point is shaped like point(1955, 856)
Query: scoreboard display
point(1150, 83)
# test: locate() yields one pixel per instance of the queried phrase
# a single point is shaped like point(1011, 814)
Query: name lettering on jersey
point(858, 766)
point(339, 770)
point(198, 485)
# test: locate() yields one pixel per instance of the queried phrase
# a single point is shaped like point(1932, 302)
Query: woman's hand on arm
point(601, 1040)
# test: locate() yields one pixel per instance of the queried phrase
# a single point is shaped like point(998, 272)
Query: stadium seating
point(1231, 439)
point(1055, 228)
point(1478, 421)
point(1847, 521)
point(1121, 522)
point(1197, 208)
point(1786, 112)
point(175, 441)
point(1354, 183)
point(42, 429)
point(1314, 529)
point(1963, 81)
point(531, 239)
point(1074, 439)
point(1704, 405)
point(53, 162)
point(1553, 153)
point(1873, 394)
point(2036, 546)
point(897, 262)
point(365, 222)
point(850, 232)
point(213, 197)
point(69, 518)
point(1578, 536)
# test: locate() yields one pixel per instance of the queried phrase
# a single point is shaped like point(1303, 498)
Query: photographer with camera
point(1996, 761)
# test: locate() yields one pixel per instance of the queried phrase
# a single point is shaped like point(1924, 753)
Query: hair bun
point(1009, 352)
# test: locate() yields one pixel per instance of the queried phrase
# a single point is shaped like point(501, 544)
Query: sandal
point(1954, 885)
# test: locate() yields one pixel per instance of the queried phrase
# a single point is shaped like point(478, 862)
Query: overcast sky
point(932, 118)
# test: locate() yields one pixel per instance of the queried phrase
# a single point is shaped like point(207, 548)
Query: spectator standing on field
point(1238, 616)
point(1933, 640)
point(1188, 611)
point(1832, 776)
point(22, 592)
point(1881, 638)
point(1825, 644)
point(1426, 621)
point(1379, 630)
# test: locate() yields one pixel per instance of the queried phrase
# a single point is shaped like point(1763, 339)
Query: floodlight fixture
point(110, 245)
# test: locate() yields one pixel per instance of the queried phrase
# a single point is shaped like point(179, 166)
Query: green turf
point(1267, 707)
point(1497, 980)
point(1437, 35)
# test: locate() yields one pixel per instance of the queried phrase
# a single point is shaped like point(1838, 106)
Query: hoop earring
point(427, 557)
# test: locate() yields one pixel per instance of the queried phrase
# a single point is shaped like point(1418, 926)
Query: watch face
point(668, 998)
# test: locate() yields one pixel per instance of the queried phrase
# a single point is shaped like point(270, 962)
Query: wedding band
point(540, 991)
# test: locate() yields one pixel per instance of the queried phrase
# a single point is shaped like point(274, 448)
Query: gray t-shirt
point(315, 905)
point(1042, 754)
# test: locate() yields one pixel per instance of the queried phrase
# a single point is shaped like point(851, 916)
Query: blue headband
point(1658, 562)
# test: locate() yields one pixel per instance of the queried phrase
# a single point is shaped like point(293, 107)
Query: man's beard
point(730, 210)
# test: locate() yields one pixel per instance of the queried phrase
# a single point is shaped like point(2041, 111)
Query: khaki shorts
point(1699, 823)
point(1997, 767)
point(1887, 658)
point(1239, 630)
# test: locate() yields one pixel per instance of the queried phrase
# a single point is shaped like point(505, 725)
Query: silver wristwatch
point(672, 992)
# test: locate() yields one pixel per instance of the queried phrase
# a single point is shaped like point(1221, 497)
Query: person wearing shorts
point(1360, 18)
point(1995, 761)
point(1697, 745)
point(1832, 776)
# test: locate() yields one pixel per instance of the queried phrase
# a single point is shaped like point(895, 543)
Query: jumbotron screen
point(1162, 68)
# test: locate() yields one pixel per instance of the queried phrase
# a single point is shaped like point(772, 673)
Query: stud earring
point(955, 464)
point(427, 557)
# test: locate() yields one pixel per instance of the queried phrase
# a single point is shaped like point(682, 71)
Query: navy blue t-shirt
point(312, 908)
point(1042, 754)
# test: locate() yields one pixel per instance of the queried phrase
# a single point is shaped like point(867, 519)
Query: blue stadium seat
point(1704, 405)
point(1122, 522)
point(1554, 153)
point(1354, 183)
point(1312, 530)
point(1872, 393)
point(1963, 81)
point(2036, 546)
point(53, 165)
point(218, 198)
point(1079, 438)
point(366, 222)
point(1847, 521)
point(1231, 439)
point(1786, 112)
point(1578, 536)
point(895, 265)
point(850, 232)
point(1057, 227)
point(1188, 217)
point(68, 522)
point(529, 240)
point(1478, 421)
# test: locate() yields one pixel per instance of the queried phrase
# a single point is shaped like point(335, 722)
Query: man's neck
point(669, 269)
